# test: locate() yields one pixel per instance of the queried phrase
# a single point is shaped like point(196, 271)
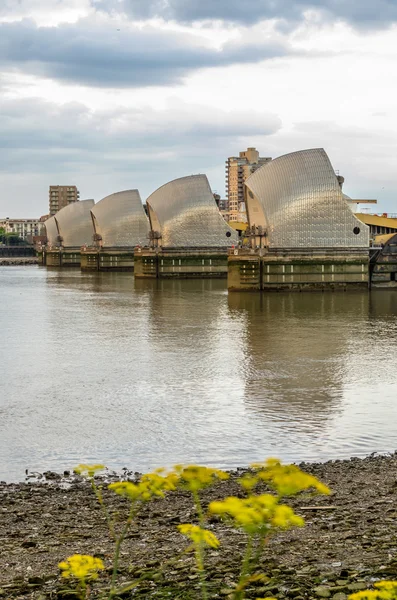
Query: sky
point(119, 94)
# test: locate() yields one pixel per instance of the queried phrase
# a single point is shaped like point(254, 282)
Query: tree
point(12, 239)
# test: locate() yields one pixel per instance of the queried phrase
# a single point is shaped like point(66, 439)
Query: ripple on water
point(97, 368)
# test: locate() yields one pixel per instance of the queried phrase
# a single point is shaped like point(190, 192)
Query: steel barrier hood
point(186, 212)
point(75, 224)
point(52, 233)
point(298, 200)
point(120, 220)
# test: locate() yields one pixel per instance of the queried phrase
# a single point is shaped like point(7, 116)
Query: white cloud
point(45, 12)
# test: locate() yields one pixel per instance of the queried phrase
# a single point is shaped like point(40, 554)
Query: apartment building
point(62, 195)
point(238, 169)
point(23, 228)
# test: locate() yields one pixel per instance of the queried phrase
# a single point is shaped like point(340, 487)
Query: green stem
point(119, 541)
point(162, 568)
point(83, 587)
point(105, 511)
point(259, 550)
point(200, 546)
point(199, 508)
point(200, 566)
point(245, 570)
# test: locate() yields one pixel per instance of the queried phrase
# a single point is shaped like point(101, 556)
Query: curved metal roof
point(120, 220)
point(51, 228)
point(188, 215)
point(298, 199)
point(75, 224)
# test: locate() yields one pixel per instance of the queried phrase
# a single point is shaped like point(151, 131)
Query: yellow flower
point(88, 470)
point(284, 518)
point(125, 488)
point(81, 566)
point(287, 480)
point(256, 514)
point(248, 482)
point(155, 484)
point(366, 595)
point(149, 486)
point(195, 477)
point(386, 585)
point(199, 535)
point(385, 590)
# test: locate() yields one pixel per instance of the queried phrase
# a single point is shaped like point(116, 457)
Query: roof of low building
point(380, 220)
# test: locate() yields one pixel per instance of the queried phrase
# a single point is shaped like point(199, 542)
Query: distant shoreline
point(18, 261)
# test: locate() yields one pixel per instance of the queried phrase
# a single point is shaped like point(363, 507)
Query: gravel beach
point(349, 540)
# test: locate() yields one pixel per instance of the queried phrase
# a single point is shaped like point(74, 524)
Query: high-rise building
point(62, 195)
point(238, 169)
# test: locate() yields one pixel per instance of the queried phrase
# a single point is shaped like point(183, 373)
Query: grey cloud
point(42, 143)
point(366, 13)
point(98, 54)
point(142, 146)
point(33, 123)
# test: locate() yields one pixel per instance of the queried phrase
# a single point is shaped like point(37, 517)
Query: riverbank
point(18, 261)
point(350, 537)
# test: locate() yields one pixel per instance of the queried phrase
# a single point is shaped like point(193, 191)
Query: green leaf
point(130, 585)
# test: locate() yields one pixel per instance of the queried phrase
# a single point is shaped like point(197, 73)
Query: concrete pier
point(187, 263)
point(40, 256)
point(107, 259)
point(61, 257)
point(297, 269)
point(52, 257)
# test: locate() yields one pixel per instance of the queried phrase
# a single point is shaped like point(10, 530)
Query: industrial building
point(52, 233)
point(378, 224)
point(303, 234)
point(67, 232)
point(120, 221)
point(298, 201)
point(119, 224)
point(184, 214)
point(301, 231)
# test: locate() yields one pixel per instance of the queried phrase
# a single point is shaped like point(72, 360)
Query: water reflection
point(320, 367)
point(297, 347)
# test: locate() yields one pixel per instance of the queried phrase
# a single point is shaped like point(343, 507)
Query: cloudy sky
point(119, 94)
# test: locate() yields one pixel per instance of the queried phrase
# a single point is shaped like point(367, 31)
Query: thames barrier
point(301, 233)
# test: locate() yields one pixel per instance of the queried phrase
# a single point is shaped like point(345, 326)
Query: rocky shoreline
point(18, 261)
point(349, 540)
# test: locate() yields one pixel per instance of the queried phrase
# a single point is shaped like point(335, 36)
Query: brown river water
point(97, 367)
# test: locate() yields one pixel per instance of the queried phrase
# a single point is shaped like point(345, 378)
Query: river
point(99, 368)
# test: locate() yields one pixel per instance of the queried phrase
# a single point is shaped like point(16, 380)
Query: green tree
point(12, 239)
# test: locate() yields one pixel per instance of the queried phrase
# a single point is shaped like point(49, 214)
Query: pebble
point(303, 564)
point(322, 591)
point(357, 586)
